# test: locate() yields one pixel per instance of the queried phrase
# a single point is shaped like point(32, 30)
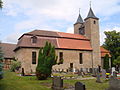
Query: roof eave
point(56, 48)
point(92, 18)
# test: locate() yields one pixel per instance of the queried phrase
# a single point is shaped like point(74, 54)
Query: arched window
point(34, 39)
point(94, 22)
point(81, 31)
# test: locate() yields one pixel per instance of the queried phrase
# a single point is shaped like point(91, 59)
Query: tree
point(46, 60)
point(106, 62)
point(1, 54)
point(1, 64)
point(117, 63)
point(1, 3)
point(112, 43)
point(15, 65)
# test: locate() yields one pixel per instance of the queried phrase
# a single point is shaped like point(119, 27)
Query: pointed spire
point(79, 20)
point(91, 14)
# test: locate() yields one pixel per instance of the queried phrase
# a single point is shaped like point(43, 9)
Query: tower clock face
point(81, 31)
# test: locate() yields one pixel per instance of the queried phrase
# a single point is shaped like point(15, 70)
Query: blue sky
point(21, 16)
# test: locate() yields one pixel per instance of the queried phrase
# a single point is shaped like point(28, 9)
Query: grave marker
point(57, 83)
point(103, 73)
point(79, 86)
point(98, 78)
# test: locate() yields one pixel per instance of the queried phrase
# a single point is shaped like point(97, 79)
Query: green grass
point(90, 84)
point(13, 82)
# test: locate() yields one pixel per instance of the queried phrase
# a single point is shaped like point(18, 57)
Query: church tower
point(92, 32)
point(78, 26)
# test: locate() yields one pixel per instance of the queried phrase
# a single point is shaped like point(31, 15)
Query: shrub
point(106, 62)
point(117, 63)
point(15, 65)
point(46, 60)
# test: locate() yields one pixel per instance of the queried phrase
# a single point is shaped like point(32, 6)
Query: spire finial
point(79, 10)
point(90, 3)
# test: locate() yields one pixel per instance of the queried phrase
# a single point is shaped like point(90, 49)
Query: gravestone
point(114, 84)
point(87, 70)
point(79, 73)
point(74, 70)
point(103, 73)
point(98, 78)
point(57, 83)
point(113, 69)
point(90, 70)
point(115, 74)
point(79, 86)
point(95, 71)
point(81, 69)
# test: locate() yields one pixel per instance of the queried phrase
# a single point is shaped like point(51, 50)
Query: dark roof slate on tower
point(79, 20)
point(91, 14)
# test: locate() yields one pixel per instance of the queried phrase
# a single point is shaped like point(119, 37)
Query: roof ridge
point(57, 34)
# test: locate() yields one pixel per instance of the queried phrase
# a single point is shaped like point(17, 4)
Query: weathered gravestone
point(103, 73)
point(98, 78)
point(115, 74)
point(90, 70)
point(79, 86)
point(57, 83)
point(95, 71)
point(114, 84)
point(113, 69)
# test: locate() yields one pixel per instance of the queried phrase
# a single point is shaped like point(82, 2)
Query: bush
point(117, 63)
point(1, 72)
point(15, 65)
point(46, 60)
point(106, 62)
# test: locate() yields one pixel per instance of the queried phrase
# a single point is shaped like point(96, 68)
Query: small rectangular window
point(61, 58)
point(33, 57)
point(80, 58)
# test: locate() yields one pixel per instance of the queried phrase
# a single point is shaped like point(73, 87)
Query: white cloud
point(12, 38)
point(26, 25)
point(70, 30)
point(61, 9)
point(57, 13)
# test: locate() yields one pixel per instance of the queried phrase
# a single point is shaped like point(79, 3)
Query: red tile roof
point(58, 39)
point(69, 35)
point(104, 52)
point(26, 41)
point(7, 49)
point(74, 44)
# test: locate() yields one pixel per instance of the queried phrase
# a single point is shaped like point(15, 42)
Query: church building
point(78, 50)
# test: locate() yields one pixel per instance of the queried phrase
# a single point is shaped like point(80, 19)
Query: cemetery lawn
point(12, 81)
